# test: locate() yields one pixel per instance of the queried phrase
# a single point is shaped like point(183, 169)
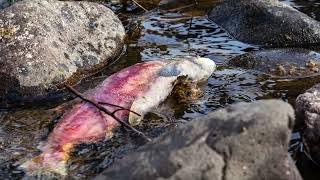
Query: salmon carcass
point(140, 88)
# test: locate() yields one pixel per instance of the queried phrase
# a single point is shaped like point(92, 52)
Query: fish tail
point(49, 162)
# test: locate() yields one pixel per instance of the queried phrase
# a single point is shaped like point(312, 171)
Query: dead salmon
point(140, 88)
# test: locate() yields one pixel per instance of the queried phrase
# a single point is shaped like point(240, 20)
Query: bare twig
point(146, 10)
point(103, 109)
point(120, 108)
point(192, 14)
point(180, 8)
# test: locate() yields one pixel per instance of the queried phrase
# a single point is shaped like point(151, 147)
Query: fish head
point(203, 67)
point(195, 69)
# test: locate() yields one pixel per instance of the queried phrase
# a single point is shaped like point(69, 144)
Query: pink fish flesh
point(85, 123)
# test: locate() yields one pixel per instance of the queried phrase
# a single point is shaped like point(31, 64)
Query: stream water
point(164, 32)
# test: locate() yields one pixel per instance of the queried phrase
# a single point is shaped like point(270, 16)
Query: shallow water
point(161, 33)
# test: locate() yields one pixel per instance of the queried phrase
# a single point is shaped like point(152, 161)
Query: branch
point(146, 10)
point(121, 108)
point(103, 109)
point(192, 14)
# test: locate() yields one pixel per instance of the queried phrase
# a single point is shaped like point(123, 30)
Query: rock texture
point(266, 22)
point(290, 62)
point(46, 42)
point(308, 113)
point(243, 141)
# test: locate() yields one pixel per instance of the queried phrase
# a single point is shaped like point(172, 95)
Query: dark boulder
point(44, 43)
point(266, 22)
point(242, 141)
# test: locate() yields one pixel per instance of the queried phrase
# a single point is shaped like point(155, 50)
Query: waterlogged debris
point(291, 62)
point(140, 88)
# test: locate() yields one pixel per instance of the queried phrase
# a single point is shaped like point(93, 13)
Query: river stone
point(308, 113)
point(242, 141)
point(290, 62)
point(44, 43)
point(266, 22)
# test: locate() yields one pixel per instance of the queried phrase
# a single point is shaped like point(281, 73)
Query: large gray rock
point(266, 22)
point(242, 141)
point(44, 43)
point(308, 113)
point(286, 62)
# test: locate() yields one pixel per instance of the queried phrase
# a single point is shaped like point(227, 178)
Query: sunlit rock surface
point(266, 22)
point(242, 141)
point(45, 42)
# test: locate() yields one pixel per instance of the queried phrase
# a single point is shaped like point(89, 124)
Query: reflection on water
point(160, 33)
point(170, 34)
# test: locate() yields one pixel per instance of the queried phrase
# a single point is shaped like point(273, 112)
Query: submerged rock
point(308, 113)
point(44, 43)
point(242, 141)
point(266, 22)
point(281, 62)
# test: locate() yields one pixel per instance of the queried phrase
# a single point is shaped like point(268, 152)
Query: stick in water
point(103, 109)
point(146, 10)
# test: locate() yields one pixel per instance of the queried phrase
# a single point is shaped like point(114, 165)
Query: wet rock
point(308, 113)
point(3, 4)
point(291, 62)
point(242, 141)
point(46, 42)
point(266, 22)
